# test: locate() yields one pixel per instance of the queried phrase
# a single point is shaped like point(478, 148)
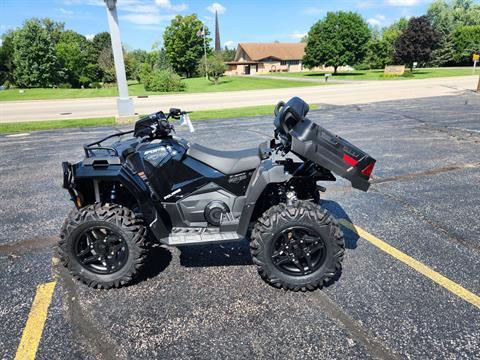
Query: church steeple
point(218, 47)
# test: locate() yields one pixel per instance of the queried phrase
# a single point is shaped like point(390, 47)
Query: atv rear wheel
point(297, 247)
point(103, 245)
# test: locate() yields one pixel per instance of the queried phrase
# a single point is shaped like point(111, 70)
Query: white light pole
point(124, 103)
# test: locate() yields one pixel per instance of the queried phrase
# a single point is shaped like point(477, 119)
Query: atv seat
point(227, 162)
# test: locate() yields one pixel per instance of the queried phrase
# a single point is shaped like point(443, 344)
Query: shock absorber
point(291, 195)
point(113, 194)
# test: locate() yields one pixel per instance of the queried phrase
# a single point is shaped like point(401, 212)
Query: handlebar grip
point(279, 106)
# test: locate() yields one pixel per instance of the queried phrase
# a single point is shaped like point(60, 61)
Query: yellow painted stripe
point(415, 264)
point(36, 321)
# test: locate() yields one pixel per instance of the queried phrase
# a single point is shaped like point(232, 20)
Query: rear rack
point(332, 152)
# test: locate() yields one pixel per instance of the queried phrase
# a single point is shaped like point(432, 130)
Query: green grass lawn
point(378, 74)
point(193, 85)
point(20, 127)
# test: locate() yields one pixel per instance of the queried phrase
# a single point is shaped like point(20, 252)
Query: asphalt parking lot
point(207, 302)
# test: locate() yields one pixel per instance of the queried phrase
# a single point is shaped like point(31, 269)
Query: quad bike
point(155, 187)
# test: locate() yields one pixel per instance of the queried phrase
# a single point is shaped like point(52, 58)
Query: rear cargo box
point(334, 153)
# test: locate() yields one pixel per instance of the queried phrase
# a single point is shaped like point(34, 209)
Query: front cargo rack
point(95, 146)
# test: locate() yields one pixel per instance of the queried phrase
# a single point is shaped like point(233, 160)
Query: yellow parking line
point(415, 264)
point(36, 321)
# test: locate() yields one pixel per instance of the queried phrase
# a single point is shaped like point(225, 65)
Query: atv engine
point(213, 212)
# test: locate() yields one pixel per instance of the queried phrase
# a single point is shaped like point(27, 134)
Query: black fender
point(266, 173)
point(115, 172)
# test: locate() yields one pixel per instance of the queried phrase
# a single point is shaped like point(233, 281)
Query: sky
point(142, 22)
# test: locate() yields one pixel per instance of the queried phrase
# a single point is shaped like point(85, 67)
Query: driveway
point(207, 302)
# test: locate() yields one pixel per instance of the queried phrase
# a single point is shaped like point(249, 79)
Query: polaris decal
point(172, 194)
point(235, 179)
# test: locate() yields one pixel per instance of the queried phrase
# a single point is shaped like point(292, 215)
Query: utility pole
point(124, 102)
point(218, 47)
point(478, 86)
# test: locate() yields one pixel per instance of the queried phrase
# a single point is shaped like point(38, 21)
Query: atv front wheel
point(297, 247)
point(103, 245)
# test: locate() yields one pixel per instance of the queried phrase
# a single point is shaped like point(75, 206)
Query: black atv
point(153, 186)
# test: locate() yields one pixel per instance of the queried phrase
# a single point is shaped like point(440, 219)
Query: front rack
point(94, 146)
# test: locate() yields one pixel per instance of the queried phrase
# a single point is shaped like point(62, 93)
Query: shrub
point(214, 67)
point(84, 81)
point(163, 81)
point(95, 85)
point(363, 66)
point(64, 86)
point(7, 85)
point(144, 70)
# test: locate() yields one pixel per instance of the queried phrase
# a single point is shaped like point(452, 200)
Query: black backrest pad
point(300, 106)
point(290, 114)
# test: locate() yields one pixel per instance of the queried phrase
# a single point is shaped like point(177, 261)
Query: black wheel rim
point(298, 251)
point(101, 250)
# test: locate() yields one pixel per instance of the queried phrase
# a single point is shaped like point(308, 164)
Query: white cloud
point(365, 4)
point(65, 12)
point(298, 35)
point(311, 10)
point(230, 44)
point(90, 37)
point(167, 5)
point(135, 7)
point(373, 22)
point(1, 42)
point(84, 2)
point(145, 19)
point(377, 20)
point(403, 2)
point(216, 7)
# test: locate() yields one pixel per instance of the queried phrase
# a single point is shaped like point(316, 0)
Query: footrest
point(184, 236)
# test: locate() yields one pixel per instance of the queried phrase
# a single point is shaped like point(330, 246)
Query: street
point(338, 94)
point(208, 302)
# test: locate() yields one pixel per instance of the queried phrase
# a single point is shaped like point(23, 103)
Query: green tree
point(416, 43)
point(391, 33)
point(184, 48)
point(228, 54)
point(34, 55)
point(339, 39)
point(213, 68)
point(72, 54)
point(107, 65)
point(379, 53)
point(6, 58)
point(99, 43)
point(446, 18)
point(161, 60)
point(466, 41)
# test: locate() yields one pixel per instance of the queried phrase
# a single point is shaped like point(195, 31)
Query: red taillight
point(368, 170)
point(349, 160)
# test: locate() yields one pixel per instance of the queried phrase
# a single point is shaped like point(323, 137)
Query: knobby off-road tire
point(115, 219)
point(277, 226)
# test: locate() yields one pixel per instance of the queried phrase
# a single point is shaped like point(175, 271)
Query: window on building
point(283, 62)
point(293, 62)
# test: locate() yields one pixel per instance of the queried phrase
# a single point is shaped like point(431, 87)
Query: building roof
point(280, 51)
